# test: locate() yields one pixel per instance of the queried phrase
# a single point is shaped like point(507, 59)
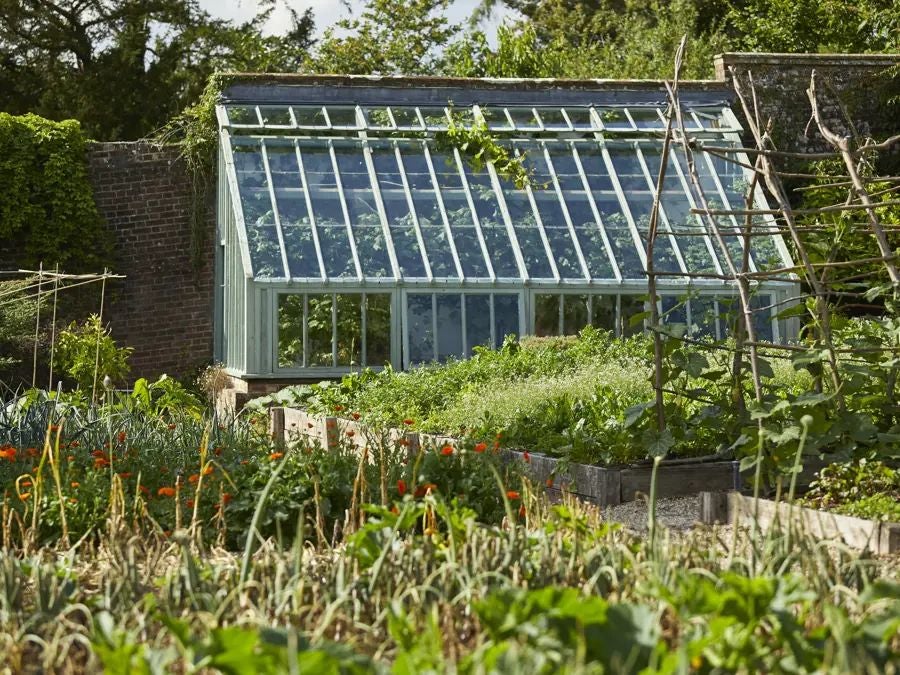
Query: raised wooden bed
point(598, 484)
point(737, 509)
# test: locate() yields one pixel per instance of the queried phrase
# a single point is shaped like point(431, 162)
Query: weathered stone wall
point(164, 308)
point(860, 85)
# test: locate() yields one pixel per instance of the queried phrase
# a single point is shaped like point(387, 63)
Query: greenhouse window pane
point(329, 216)
point(531, 244)
point(493, 227)
point(496, 118)
point(575, 313)
point(674, 311)
point(560, 238)
point(377, 118)
point(396, 206)
point(242, 115)
point(631, 307)
point(434, 234)
point(506, 316)
point(292, 212)
point(646, 118)
point(704, 316)
point(343, 117)
point(406, 118)
point(614, 118)
point(553, 119)
point(349, 329)
point(319, 331)
point(435, 118)
point(546, 315)
point(449, 320)
point(363, 213)
point(378, 329)
point(420, 328)
point(762, 317)
point(259, 215)
point(524, 119)
point(478, 321)
point(603, 312)
point(310, 116)
point(581, 119)
point(709, 118)
point(620, 237)
point(290, 331)
point(592, 162)
point(278, 116)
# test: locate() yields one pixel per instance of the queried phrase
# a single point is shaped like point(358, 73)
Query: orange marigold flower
point(499, 434)
point(190, 503)
point(98, 453)
point(408, 422)
point(355, 415)
point(72, 500)
point(172, 427)
point(74, 444)
point(401, 487)
point(208, 469)
point(350, 433)
point(101, 462)
point(32, 452)
point(166, 492)
point(193, 478)
point(75, 484)
point(512, 494)
point(144, 489)
point(496, 445)
point(447, 450)
point(276, 455)
point(244, 462)
point(226, 497)
point(121, 437)
point(526, 457)
point(522, 511)
point(26, 483)
point(338, 408)
point(25, 495)
point(395, 510)
point(217, 451)
point(549, 482)
point(8, 452)
point(124, 474)
point(480, 447)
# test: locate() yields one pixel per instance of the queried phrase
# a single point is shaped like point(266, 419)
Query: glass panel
point(553, 119)
point(546, 315)
point(603, 312)
point(449, 318)
point(363, 212)
point(292, 210)
point(406, 118)
point(318, 330)
point(378, 329)
point(460, 217)
point(493, 227)
point(259, 216)
point(762, 317)
point(631, 306)
point(581, 119)
point(561, 239)
point(420, 317)
point(523, 118)
point(329, 216)
point(710, 119)
point(242, 114)
point(276, 116)
point(495, 118)
point(478, 321)
point(530, 243)
point(575, 313)
point(703, 316)
point(674, 311)
point(343, 117)
point(396, 206)
point(435, 118)
point(434, 234)
point(506, 317)
point(290, 331)
point(646, 118)
point(639, 198)
point(614, 118)
point(310, 116)
point(377, 118)
point(715, 200)
point(677, 209)
point(349, 329)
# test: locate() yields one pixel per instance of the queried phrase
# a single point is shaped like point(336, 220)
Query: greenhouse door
point(440, 325)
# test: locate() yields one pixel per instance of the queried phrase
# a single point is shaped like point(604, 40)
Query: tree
point(124, 67)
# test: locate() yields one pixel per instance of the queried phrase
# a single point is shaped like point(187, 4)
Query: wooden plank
point(676, 480)
point(878, 537)
point(713, 507)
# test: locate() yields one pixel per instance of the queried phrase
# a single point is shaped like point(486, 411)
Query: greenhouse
point(352, 234)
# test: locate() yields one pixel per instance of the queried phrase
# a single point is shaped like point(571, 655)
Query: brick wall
point(859, 81)
point(164, 307)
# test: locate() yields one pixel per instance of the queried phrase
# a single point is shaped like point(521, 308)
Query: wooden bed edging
point(605, 486)
point(877, 536)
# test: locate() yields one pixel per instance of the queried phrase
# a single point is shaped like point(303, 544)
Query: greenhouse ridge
point(354, 236)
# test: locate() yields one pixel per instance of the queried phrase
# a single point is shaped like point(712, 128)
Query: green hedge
point(47, 208)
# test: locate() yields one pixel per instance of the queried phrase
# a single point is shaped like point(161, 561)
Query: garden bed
point(877, 536)
point(602, 485)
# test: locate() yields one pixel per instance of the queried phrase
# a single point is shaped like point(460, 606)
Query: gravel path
point(677, 513)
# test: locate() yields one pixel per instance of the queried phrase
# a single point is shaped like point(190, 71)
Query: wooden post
point(276, 426)
point(713, 507)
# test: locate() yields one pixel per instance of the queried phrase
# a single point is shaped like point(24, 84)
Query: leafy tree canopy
point(124, 67)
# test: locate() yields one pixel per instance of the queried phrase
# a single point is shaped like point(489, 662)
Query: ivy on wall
point(47, 208)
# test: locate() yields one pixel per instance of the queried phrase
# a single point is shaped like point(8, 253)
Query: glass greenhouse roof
point(362, 189)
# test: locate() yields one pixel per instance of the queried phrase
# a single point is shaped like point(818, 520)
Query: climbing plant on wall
point(47, 208)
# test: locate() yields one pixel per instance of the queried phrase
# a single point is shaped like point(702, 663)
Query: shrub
point(87, 353)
